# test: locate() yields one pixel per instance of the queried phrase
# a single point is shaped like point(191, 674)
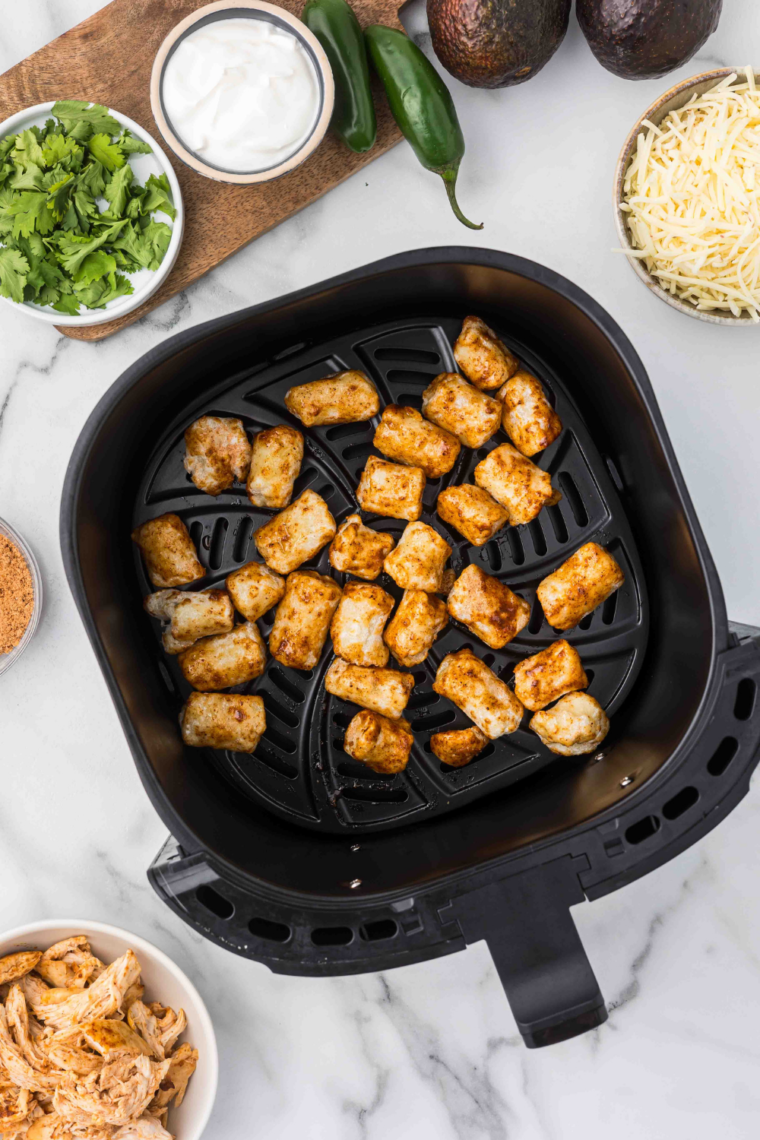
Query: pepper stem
point(450, 182)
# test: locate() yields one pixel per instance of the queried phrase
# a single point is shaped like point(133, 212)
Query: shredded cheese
point(692, 199)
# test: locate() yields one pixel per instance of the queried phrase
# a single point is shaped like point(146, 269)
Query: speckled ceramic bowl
point(256, 10)
point(8, 659)
point(672, 100)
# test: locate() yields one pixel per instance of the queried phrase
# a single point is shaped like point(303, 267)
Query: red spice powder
point(16, 595)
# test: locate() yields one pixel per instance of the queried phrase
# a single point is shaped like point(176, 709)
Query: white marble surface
point(431, 1051)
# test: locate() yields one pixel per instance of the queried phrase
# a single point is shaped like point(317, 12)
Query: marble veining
point(431, 1051)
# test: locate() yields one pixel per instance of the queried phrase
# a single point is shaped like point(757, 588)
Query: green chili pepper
point(336, 27)
point(421, 105)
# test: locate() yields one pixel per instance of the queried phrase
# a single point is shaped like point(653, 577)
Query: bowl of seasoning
point(685, 197)
point(20, 595)
point(242, 91)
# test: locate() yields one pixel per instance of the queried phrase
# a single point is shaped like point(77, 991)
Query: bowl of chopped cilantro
point(91, 215)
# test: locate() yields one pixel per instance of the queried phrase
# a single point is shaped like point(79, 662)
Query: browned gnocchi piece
point(582, 582)
point(190, 616)
point(548, 675)
point(358, 549)
point(521, 487)
point(384, 691)
point(254, 589)
point(482, 696)
point(457, 407)
point(418, 561)
point(404, 435)
point(225, 660)
point(391, 489)
point(303, 618)
point(577, 724)
point(382, 744)
point(471, 511)
point(485, 360)
point(296, 534)
point(358, 624)
point(419, 619)
point(487, 607)
point(217, 453)
point(458, 746)
point(344, 398)
point(527, 416)
point(223, 720)
point(168, 551)
point(275, 464)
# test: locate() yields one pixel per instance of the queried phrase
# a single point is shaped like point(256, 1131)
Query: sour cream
point(242, 94)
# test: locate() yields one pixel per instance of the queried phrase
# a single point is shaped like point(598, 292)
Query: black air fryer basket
point(301, 858)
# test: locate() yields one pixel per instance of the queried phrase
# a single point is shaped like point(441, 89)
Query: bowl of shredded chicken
point(102, 1037)
point(687, 197)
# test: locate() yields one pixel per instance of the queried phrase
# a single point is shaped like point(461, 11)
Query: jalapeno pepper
point(421, 105)
point(336, 27)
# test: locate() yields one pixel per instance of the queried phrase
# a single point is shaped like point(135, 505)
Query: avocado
point(496, 43)
point(644, 39)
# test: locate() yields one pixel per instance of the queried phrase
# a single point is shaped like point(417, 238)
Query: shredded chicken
point(83, 1058)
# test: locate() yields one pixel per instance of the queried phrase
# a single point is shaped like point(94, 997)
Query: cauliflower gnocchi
point(391, 489)
point(471, 511)
point(414, 627)
point(550, 674)
point(344, 398)
point(303, 619)
point(275, 464)
point(382, 744)
point(582, 583)
point(225, 660)
point(218, 453)
point(485, 360)
point(223, 720)
point(457, 407)
point(419, 559)
point(358, 624)
point(297, 534)
point(190, 616)
point(458, 746)
point(360, 550)
point(254, 589)
point(168, 551)
point(474, 688)
point(487, 607)
point(384, 691)
point(405, 436)
point(527, 416)
point(522, 488)
point(575, 725)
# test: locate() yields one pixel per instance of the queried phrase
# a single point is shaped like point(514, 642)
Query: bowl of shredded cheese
point(687, 197)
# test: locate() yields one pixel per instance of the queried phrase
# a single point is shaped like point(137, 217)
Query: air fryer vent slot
point(300, 769)
point(722, 756)
point(746, 692)
point(210, 898)
point(643, 829)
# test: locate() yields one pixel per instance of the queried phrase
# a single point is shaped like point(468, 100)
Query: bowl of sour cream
point(242, 91)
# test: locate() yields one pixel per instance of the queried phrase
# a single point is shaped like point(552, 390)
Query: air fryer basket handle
point(538, 954)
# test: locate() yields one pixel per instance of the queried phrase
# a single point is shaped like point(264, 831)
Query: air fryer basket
point(297, 856)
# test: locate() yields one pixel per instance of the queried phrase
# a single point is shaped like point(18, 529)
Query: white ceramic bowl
point(145, 281)
point(257, 10)
point(8, 659)
point(164, 982)
point(671, 100)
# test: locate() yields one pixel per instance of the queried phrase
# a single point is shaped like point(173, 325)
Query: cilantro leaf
point(6, 217)
point(29, 211)
point(157, 236)
point(31, 177)
point(74, 248)
point(130, 145)
point(27, 150)
point(82, 120)
point(93, 179)
point(99, 293)
point(117, 191)
point(105, 151)
point(95, 265)
point(67, 303)
point(58, 196)
point(158, 196)
point(59, 150)
point(13, 271)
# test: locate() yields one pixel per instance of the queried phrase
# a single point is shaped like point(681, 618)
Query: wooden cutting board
point(108, 59)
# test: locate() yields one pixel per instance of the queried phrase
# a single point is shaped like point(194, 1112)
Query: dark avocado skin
point(644, 39)
point(496, 43)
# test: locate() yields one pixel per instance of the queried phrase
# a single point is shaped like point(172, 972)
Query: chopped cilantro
point(73, 218)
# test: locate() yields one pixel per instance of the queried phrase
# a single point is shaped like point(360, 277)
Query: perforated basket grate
point(299, 769)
